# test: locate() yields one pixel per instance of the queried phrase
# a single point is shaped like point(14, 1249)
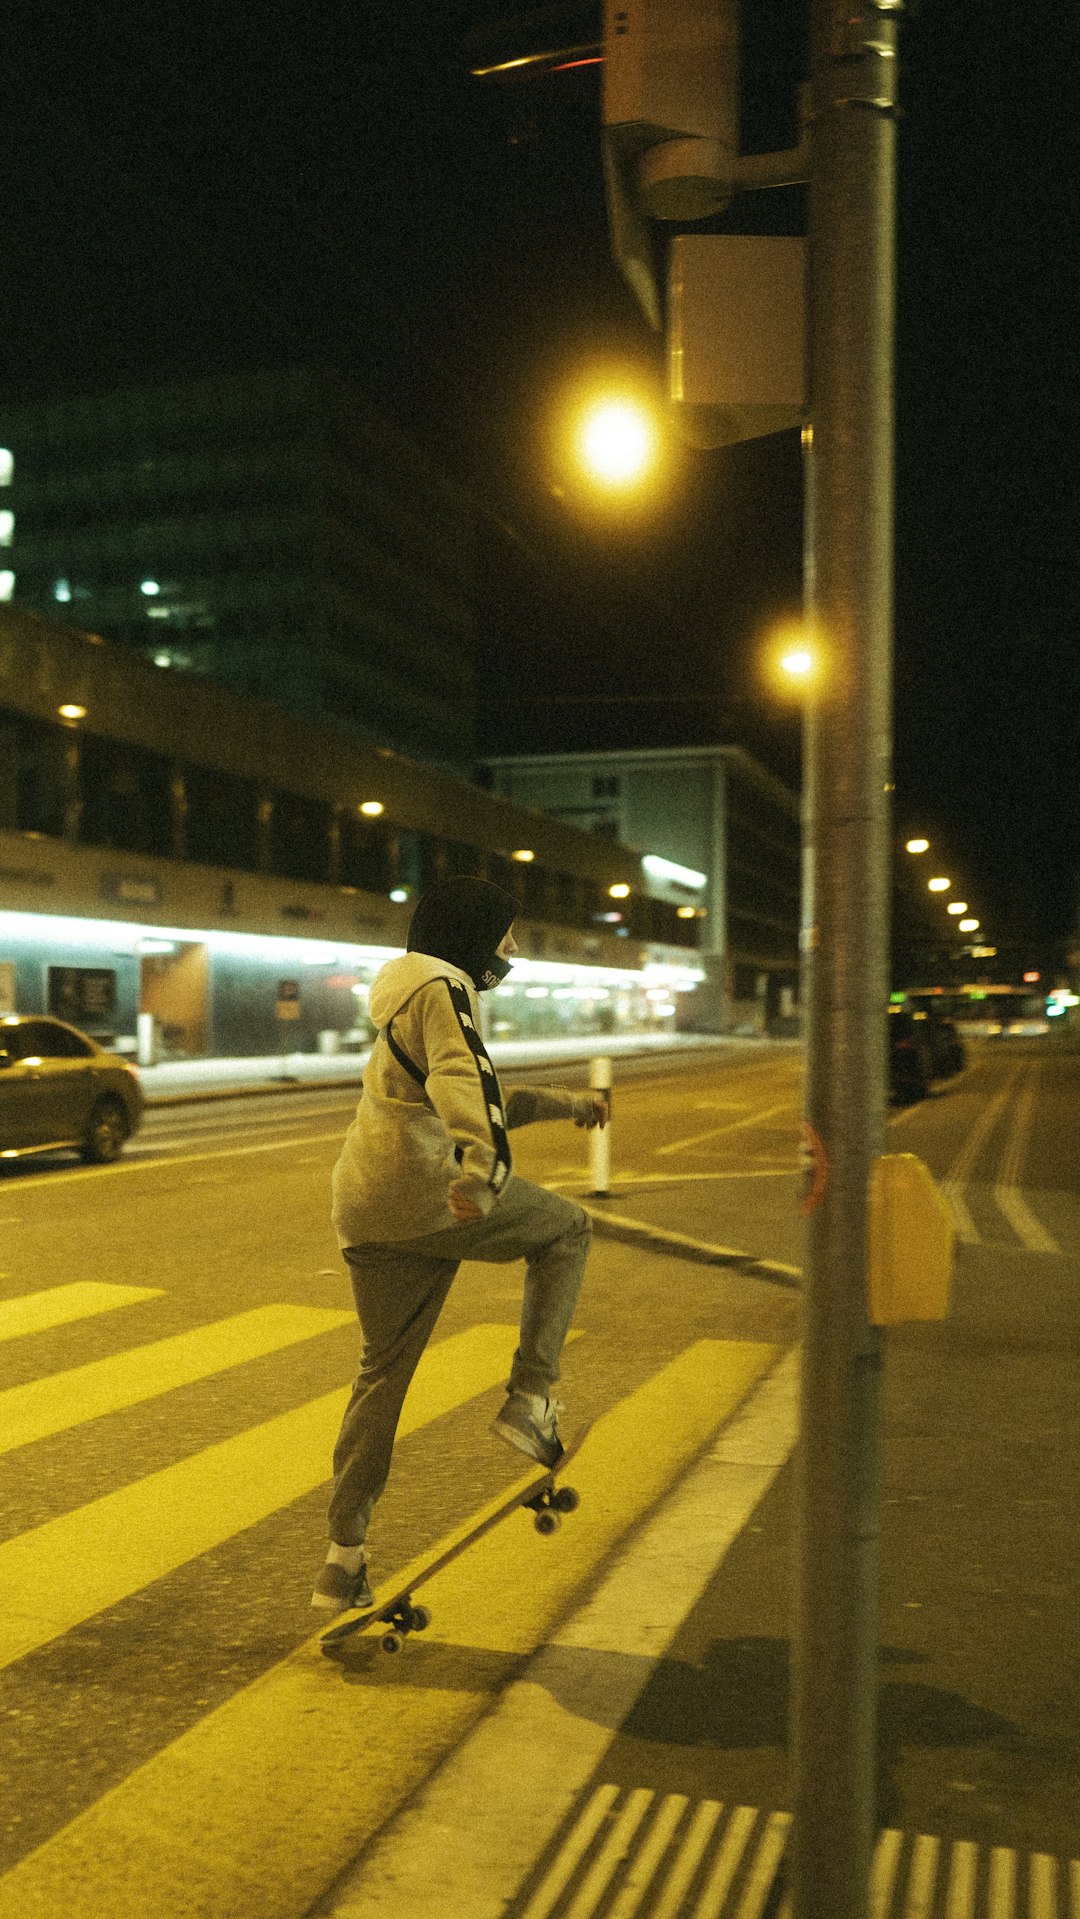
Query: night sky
point(189, 189)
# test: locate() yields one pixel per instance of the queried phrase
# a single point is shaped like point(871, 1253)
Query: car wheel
point(106, 1133)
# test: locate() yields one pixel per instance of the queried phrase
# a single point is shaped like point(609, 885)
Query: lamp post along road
point(849, 583)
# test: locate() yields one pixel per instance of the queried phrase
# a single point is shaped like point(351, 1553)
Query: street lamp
point(917, 846)
point(616, 442)
point(957, 906)
point(939, 885)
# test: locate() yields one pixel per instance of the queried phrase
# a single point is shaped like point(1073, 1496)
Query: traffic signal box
point(735, 305)
point(911, 1243)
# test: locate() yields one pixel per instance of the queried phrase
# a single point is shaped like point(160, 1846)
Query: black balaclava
point(463, 921)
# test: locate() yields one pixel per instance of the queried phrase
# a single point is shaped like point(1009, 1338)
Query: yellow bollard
point(911, 1243)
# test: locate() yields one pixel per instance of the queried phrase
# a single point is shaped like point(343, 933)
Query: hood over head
point(398, 980)
point(462, 921)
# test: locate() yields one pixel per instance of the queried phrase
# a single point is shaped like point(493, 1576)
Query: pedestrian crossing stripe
point(51, 1405)
point(258, 1807)
point(60, 1305)
point(633, 1852)
point(125, 1540)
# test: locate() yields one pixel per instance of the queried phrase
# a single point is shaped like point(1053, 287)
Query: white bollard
point(146, 1050)
point(600, 1137)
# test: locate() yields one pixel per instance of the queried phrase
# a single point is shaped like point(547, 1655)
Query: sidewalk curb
point(659, 1239)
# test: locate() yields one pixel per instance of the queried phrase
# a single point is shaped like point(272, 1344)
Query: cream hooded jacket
point(431, 1112)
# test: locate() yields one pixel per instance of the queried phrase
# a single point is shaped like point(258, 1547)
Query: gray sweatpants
point(400, 1289)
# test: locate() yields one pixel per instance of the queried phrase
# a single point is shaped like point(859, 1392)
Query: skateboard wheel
point(419, 1619)
point(392, 1642)
point(546, 1522)
point(566, 1500)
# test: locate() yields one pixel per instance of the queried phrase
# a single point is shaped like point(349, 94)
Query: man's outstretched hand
point(591, 1110)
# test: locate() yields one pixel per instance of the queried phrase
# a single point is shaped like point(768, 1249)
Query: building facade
point(723, 839)
point(269, 531)
point(236, 874)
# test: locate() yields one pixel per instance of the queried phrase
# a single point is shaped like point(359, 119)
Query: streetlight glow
point(957, 906)
point(616, 442)
point(969, 926)
point(918, 846)
point(799, 662)
point(939, 885)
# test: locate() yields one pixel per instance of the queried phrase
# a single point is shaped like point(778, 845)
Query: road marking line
point(51, 1405)
point(1001, 1886)
point(960, 1900)
point(1042, 1886)
point(60, 1305)
point(883, 1872)
point(569, 1858)
point(647, 1863)
point(732, 1126)
point(124, 1541)
point(956, 1178)
point(687, 1860)
point(728, 1860)
point(1007, 1194)
point(243, 1123)
point(763, 1871)
point(171, 1160)
point(612, 1853)
point(259, 1808)
point(921, 1876)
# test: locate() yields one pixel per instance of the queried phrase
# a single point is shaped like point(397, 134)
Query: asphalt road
point(165, 1448)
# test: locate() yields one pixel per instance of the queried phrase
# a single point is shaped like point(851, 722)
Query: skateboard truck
point(550, 1504)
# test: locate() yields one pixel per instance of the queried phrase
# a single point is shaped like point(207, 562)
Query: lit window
point(7, 527)
point(7, 585)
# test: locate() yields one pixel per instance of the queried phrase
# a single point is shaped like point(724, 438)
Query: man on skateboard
point(424, 1181)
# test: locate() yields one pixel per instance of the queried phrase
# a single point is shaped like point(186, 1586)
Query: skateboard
point(538, 1494)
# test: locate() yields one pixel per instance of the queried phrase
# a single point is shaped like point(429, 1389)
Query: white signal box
point(736, 336)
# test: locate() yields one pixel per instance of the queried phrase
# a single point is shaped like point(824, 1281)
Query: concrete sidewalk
point(179, 1080)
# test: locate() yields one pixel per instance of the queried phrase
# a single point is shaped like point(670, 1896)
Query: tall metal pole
point(851, 287)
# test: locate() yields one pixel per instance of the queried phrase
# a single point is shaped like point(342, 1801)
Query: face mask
point(494, 972)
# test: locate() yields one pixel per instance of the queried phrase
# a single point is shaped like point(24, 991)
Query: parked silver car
point(59, 1089)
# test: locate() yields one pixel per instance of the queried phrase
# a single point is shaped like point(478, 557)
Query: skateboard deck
point(538, 1494)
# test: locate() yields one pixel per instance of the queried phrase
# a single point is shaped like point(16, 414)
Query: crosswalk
point(262, 1799)
point(639, 1854)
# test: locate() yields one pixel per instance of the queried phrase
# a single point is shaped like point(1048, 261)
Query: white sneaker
point(530, 1421)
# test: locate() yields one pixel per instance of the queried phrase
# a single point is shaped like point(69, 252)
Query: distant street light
point(918, 846)
point(969, 926)
point(957, 906)
point(939, 885)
